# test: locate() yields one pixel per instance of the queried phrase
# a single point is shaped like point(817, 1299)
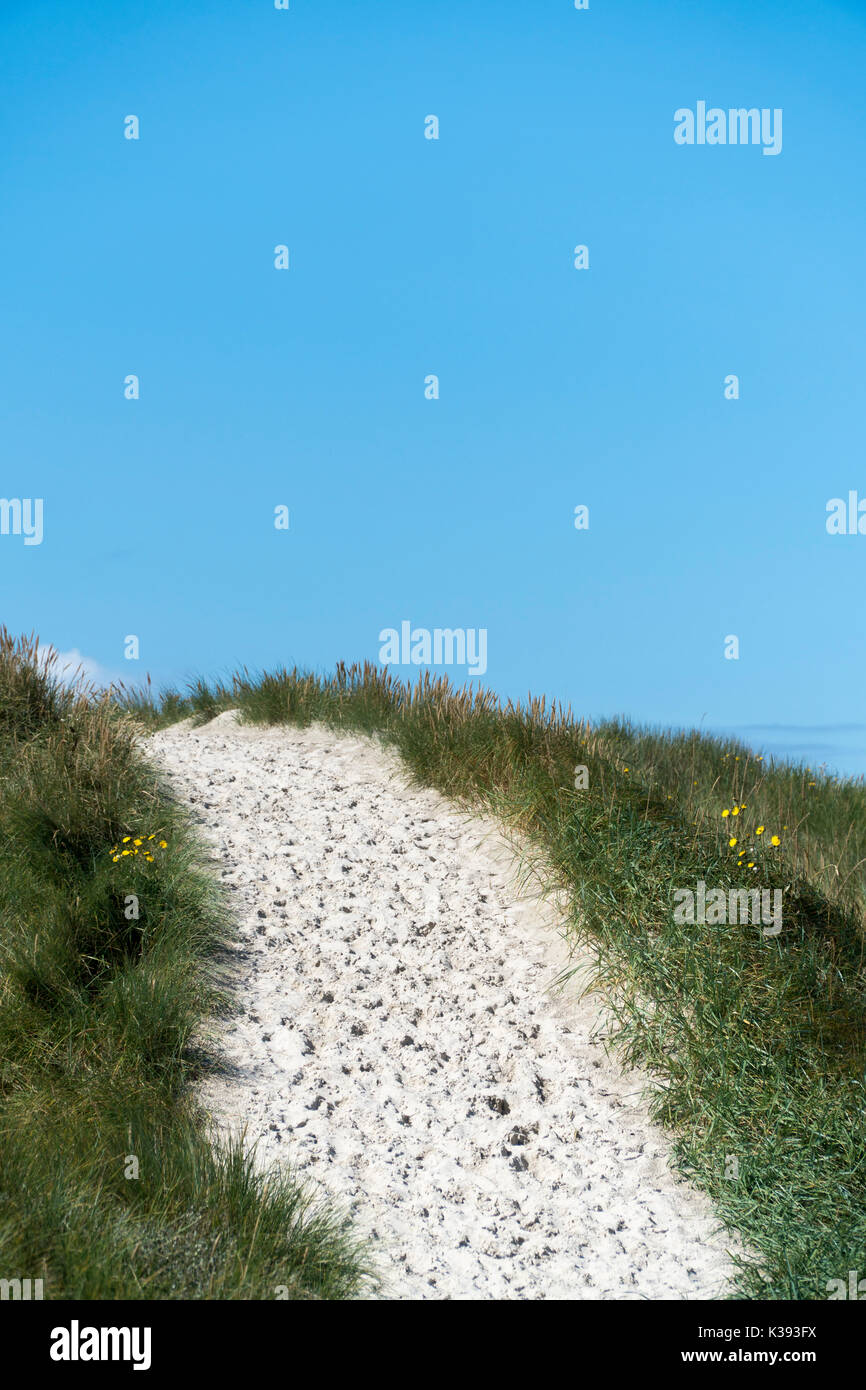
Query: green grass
point(760, 1041)
point(104, 1026)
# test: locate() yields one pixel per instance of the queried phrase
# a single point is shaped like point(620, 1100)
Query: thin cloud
point(73, 666)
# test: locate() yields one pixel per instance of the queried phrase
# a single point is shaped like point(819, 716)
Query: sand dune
point(397, 1040)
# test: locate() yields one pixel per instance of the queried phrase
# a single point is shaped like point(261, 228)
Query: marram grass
point(759, 1041)
point(111, 1186)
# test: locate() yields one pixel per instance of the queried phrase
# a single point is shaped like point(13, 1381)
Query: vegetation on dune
point(759, 1040)
point(111, 1186)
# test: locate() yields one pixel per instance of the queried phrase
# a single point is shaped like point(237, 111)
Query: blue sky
point(453, 257)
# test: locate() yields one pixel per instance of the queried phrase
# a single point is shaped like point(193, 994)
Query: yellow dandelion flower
point(774, 840)
point(760, 830)
point(726, 813)
point(732, 843)
point(136, 842)
point(125, 852)
point(126, 839)
point(163, 844)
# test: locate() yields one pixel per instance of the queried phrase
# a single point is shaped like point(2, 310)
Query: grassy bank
point(110, 1186)
point(760, 1040)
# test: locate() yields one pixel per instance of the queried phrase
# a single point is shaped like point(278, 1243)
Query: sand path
point(398, 1042)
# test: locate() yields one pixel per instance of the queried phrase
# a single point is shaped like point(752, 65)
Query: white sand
point(398, 1042)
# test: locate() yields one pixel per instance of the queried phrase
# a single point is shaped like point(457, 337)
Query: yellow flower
point(136, 844)
point(760, 830)
point(774, 840)
point(726, 813)
point(736, 811)
point(732, 843)
point(751, 866)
